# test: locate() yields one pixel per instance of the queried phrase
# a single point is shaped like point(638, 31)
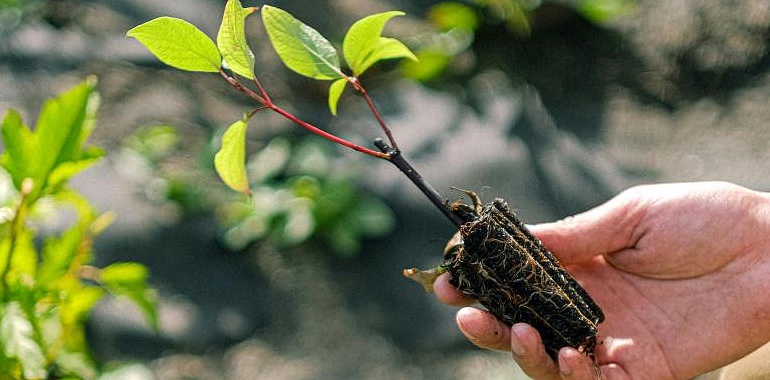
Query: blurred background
point(555, 105)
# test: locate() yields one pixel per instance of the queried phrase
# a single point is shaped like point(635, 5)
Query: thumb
point(602, 230)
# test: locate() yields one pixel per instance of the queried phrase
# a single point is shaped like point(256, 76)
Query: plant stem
point(327, 135)
point(395, 158)
point(360, 88)
point(13, 233)
point(264, 99)
point(387, 152)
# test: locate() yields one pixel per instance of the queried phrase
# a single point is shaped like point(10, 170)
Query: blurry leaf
point(20, 144)
point(130, 280)
point(17, 336)
point(344, 239)
point(305, 186)
point(63, 172)
point(130, 371)
point(153, 141)
point(300, 47)
point(514, 12)
point(309, 157)
point(335, 91)
point(452, 15)
point(179, 44)
point(230, 160)
point(373, 217)
point(231, 40)
point(58, 254)
point(363, 45)
point(24, 259)
point(300, 223)
point(270, 160)
point(431, 64)
point(120, 275)
point(602, 10)
point(64, 124)
point(76, 364)
point(79, 304)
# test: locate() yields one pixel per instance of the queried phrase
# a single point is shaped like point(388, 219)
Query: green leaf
point(300, 47)
point(335, 91)
point(432, 63)
point(599, 11)
point(386, 48)
point(230, 160)
point(363, 44)
point(231, 40)
point(62, 254)
point(20, 145)
point(18, 338)
point(65, 123)
point(450, 15)
point(79, 303)
point(130, 280)
point(179, 44)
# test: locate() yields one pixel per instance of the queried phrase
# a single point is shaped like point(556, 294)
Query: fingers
point(483, 329)
point(575, 365)
point(529, 353)
point(448, 294)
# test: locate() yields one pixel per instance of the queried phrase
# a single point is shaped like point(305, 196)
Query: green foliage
point(52, 153)
point(231, 158)
point(179, 44)
point(295, 199)
point(152, 153)
point(364, 45)
point(48, 289)
point(335, 92)
point(457, 23)
point(603, 10)
point(231, 40)
point(307, 52)
point(300, 47)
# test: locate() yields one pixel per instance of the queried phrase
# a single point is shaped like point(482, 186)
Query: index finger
point(448, 294)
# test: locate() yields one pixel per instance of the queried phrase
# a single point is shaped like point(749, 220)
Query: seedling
point(304, 50)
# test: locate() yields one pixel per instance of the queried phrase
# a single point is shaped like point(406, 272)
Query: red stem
point(327, 135)
point(264, 99)
point(360, 88)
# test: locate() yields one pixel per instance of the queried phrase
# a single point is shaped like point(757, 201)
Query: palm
point(654, 328)
point(680, 272)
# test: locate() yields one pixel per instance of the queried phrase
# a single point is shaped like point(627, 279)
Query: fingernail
point(566, 360)
point(517, 346)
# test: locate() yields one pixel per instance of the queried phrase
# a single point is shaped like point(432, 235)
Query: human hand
point(682, 272)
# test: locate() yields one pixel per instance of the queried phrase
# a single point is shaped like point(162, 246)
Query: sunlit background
point(554, 105)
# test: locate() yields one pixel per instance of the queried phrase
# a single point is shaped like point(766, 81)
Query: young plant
point(497, 239)
point(48, 289)
point(302, 49)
